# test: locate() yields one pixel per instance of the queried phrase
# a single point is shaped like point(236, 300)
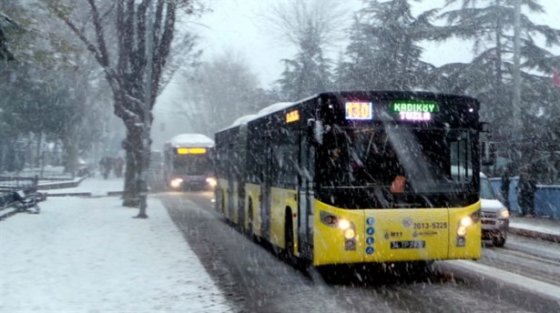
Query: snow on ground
point(540, 225)
point(96, 185)
point(89, 255)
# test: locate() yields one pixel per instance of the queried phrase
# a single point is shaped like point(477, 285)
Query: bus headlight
point(344, 224)
point(466, 221)
point(211, 181)
point(462, 231)
point(176, 183)
point(349, 233)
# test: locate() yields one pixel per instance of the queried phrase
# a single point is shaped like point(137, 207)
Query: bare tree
point(292, 19)
point(134, 64)
point(224, 87)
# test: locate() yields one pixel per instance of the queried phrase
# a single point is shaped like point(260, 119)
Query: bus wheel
point(499, 240)
point(289, 239)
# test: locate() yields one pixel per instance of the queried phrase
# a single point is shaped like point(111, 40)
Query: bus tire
point(499, 240)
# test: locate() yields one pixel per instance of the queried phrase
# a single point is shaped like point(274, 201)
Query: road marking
point(517, 280)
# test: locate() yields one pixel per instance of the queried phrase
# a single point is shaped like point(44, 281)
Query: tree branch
point(104, 55)
point(89, 45)
point(163, 48)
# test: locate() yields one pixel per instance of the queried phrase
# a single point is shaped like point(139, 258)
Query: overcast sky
point(239, 25)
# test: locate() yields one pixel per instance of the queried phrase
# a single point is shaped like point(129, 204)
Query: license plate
point(408, 244)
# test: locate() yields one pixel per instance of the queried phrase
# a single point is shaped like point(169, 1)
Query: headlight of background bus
point(211, 181)
point(176, 183)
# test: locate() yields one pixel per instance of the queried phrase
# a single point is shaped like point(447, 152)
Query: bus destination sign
point(292, 116)
point(356, 110)
point(410, 110)
point(183, 150)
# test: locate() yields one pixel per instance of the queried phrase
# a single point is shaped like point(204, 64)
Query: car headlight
point(176, 183)
point(211, 181)
point(504, 213)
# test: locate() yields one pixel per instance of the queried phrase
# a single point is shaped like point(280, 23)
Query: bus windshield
point(191, 164)
point(425, 160)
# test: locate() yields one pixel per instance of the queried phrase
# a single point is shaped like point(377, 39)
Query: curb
point(69, 194)
point(84, 194)
point(534, 234)
point(67, 184)
point(7, 212)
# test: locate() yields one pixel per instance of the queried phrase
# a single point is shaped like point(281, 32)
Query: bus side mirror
point(316, 130)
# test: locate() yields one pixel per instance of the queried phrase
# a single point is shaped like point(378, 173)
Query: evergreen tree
point(308, 73)
point(5, 54)
point(384, 52)
point(308, 26)
point(489, 77)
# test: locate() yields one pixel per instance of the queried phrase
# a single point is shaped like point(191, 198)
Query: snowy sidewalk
point(542, 228)
point(93, 186)
point(89, 255)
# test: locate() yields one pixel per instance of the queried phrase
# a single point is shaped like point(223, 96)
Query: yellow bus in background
point(356, 177)
point(187, 162)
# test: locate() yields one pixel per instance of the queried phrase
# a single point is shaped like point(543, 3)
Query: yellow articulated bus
point(356, 177)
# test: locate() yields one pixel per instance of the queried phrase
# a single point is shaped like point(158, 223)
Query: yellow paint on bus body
point(281, 200)
point(221, 189)
point(253, 192)
point(390, 235)
point(381, 235)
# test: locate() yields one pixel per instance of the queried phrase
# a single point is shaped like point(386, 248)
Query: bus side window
point(460, 159)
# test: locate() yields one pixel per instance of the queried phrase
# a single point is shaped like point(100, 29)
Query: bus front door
point(305, 197)
point(265, 191)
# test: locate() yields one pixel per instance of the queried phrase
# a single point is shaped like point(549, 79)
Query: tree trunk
point(137, 162)
point(38, 150)
point(70, 153)
point(133, 148)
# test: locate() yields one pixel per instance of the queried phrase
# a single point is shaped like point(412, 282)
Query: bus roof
point(191, 140)
point(264, 111)
point(274, 108)
point(351, 94)
point(244, 120)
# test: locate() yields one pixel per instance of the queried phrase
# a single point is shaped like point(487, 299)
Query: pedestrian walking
point(526, 188)
point(106, 164)
point(118, 165)
point(505, 185)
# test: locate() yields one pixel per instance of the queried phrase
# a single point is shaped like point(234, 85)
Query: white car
point(494, 215)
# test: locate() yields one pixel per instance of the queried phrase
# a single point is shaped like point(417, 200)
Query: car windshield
point(486, 191)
